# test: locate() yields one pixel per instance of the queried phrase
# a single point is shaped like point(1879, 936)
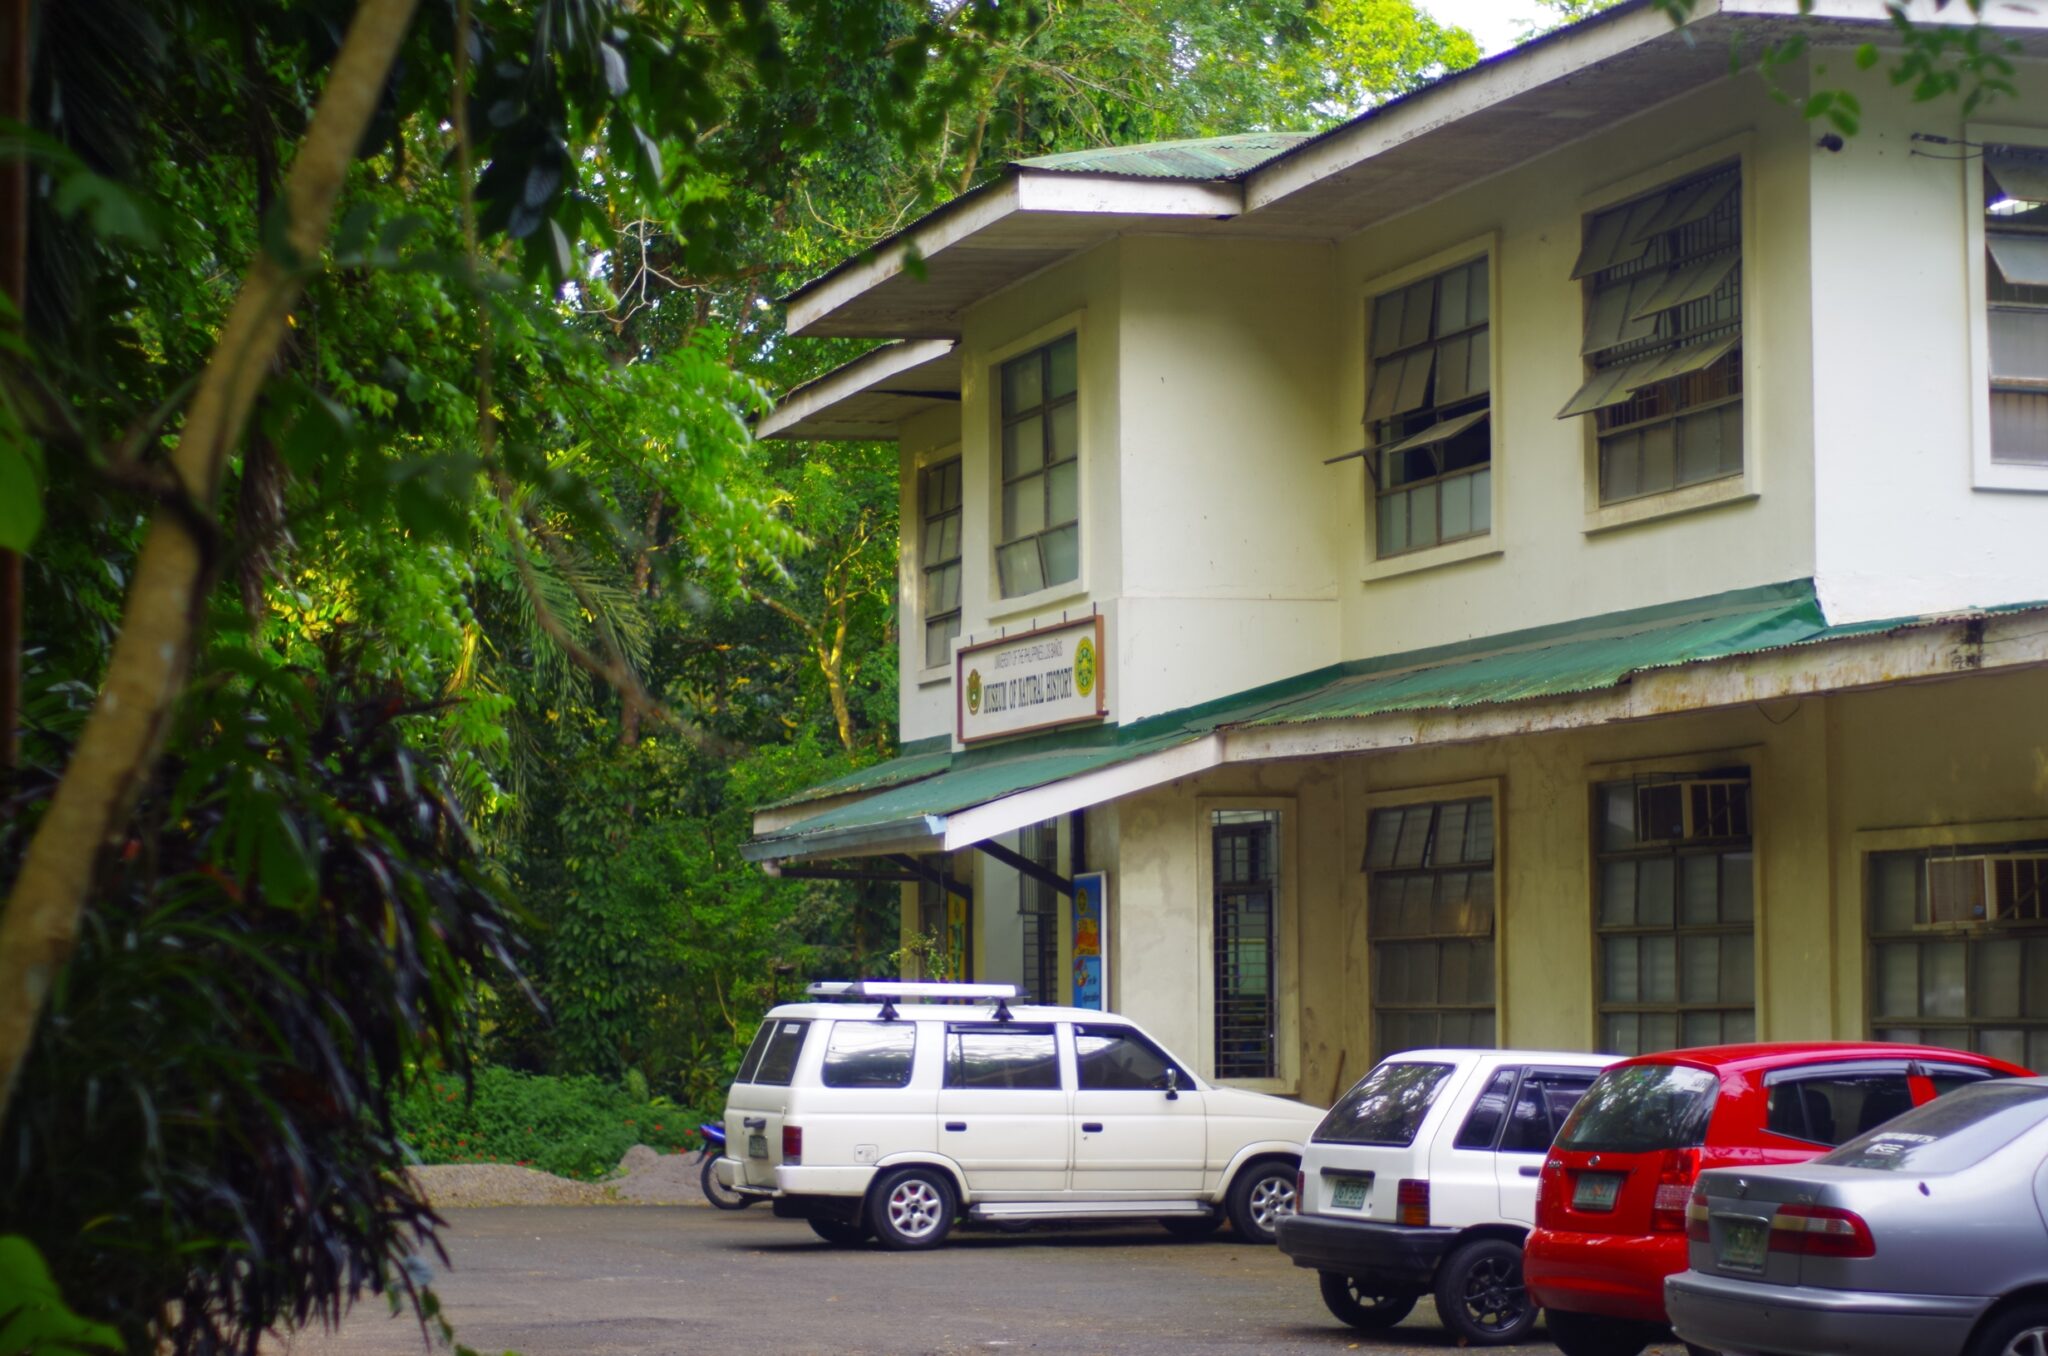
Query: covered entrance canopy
point(1630, 665)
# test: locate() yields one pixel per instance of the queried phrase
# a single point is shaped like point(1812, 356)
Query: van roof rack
point(889, 990)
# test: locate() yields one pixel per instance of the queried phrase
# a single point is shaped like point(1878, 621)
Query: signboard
point(1033, 681)
point(1091, 941)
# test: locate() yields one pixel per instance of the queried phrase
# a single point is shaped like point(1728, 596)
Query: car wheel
point(1479, 1293)
point(838, 1232)
point(2018, 1332)
point(1363, 1303)
point(1260, 1198)
point(912, 1208)
point(716, 1192)
point(1193, 1226)
point(1593, 1335)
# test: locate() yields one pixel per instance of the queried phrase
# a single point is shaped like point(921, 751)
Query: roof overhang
point(870, 397)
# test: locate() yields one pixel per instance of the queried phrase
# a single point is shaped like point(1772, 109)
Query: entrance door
point(1130, 1138)
point(1004, 1114)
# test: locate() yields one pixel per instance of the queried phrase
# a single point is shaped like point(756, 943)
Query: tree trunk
point(152, 654)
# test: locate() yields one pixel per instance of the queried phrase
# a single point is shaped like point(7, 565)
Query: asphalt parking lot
point(577, 1281)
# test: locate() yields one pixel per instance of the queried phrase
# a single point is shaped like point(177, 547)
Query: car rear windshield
point(1385, 1107)
point(1950, 1133)
point(772, 1057)
point(1638, 1108)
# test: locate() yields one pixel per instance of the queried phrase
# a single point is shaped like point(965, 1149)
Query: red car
point(1610, 1208)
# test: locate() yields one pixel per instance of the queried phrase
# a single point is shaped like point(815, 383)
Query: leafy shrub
point(577, 1126)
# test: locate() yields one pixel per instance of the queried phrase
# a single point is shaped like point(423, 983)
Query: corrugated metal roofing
point(1561, 660)
point(1208, 158)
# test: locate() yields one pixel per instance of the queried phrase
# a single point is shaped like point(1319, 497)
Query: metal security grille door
point(1246, 879)
point(1429, 924)
point(1038, 914)
point(1959, 949)
point(1676, 912)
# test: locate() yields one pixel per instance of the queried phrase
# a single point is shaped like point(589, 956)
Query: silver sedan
point(1923, 1237)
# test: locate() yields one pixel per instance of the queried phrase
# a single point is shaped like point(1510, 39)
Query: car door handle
point(1091, 1127)
point(1531, 1172)
point(956, 1125)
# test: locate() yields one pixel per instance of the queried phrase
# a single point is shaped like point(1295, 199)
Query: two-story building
point(1558, 560)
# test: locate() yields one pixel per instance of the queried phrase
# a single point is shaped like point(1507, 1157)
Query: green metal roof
point(1589, 655)
point(1208, 158)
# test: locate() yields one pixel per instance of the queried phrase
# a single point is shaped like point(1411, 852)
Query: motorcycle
point(716, 1192)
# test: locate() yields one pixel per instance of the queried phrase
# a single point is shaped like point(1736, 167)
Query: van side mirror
point(1172, 1084)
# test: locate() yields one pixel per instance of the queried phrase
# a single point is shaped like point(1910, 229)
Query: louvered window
point(1429, 924)
point(939, 558)
point(1246, 881)
point(1427, 400)
point(2016, 301)
point(1663, 336)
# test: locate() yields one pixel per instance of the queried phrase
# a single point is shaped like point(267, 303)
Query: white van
point(891, 1119)
point(1422, 1180)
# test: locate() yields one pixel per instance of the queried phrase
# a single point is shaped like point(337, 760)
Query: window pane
point(1414, 837)
point(1623, 1034)
point(1064, 493)
point(1457, 507)
point(1701, 1028)
point(1062, 548)
point(1065, 362)
point(1393, 535)
point(1386, 324)
point(1699, 879)
point(938, 643)
point(1655, 886)
point(1898, 979)
point(1453, 361)
point(1482, 502)
point(1450, 305)
point(1895, 892)
point(1066, 436)
point(930, 546)
point(2019, 427)
point(1476, 298)
point(1479, 373)
point(870, 1054)
point(1658, 470)
point(1023, 508)
point(1619, 459)
point(1623, 970)
point(1995, 988)
point(1023, 447)
point(1023, 383)
point(778, 1057)
point(1660, 969)
point(1617, 893)
point(1942, 979)
point(1415, 313)
point(1702, 976)
point(949, 538)
point(947, 581)
point(1017, 568)
point(1422, 516)
point(2034, 994)
point(1738, 967)
point(1738, 899)
point(1113, 1060)
point(1014, 1058)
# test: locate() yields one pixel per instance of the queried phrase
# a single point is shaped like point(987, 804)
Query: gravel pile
point(646, 1177)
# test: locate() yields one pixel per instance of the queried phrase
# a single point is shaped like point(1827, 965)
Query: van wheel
point(1260, 1198)
point(840, 1233)
point(912, 1208)
point(1592, 1335)
point(1479, 1293)
point(1363, 1303)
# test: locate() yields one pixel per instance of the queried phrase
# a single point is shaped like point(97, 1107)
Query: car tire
point(840, 1233)
point(1260, 1197)
point(1479, 1294)
point(1594, 1335)
point(1193, 1226)
point(912, 1209)
point(1363, 1303)
point(2016, 1332)
point(716, 1192)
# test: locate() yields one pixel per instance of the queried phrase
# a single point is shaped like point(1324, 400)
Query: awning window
point(1399, 384)
point(1441, 432)
point(1687, 282)
point(1618, 236)
point(2021, 259)
point(1614, 385)
point(2019, 175)
point(1610, 322)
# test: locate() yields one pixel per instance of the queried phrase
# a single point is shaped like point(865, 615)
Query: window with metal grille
point(1959, 949)
point(1663, 337)
point(1426, 412)
point(1038, 906)
point(938, 498)
point(1675, 914)
point(2016, 300)
point(1246, 880)
point(1040, 544)
point(1429, 925)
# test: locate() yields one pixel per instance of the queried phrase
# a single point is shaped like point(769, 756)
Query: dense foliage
point(574, 1126)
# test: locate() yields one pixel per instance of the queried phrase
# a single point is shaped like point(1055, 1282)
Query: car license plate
point(1348, 1193)
point(1743, 1243)
point(757, 1146)
point(1597, 1190)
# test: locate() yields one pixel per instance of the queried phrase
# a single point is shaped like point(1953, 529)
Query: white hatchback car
point(1422, 1179)
point(874, 1119)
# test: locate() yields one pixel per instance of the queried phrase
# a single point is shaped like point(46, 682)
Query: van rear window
point(1385, 1107)
point(771, 1058)
point(1638, 1108)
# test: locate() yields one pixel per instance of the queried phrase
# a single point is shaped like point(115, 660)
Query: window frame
point(980, 1026)
point(1287, 969)
point(1375, 1004)
point(1372, 565)
point(1709, 494)
point(1986, 473)
point(1038, 341)
point(921, 573)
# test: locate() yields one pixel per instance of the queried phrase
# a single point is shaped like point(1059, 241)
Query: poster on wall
point(956, 937)
point(1091, 941)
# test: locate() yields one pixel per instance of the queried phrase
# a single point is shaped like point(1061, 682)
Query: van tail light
point(793, 1145)
point(1821, 1231)
point(1301, 1206)
point(1674, 1189)
point(1412, 1202)
point(1696, 1217)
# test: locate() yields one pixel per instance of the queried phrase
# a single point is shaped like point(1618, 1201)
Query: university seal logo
point(1084, 667)
point(974, 692)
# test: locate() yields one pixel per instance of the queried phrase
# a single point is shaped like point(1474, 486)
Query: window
point(771, 1059)
point(1482, 1123)
point(1959, 949)
point(870, 1054)
point(1640, 1108)
point(1038, 915)
point(1426, 412)
point(938, 498)
point(1663, 336)
point(1016, 1057)
point(1676, 912)
point(1429, 924)
point(1113, 1059)
point(1246, 844)
point(1948, 1134)
point(1041, 536)
point(2016, 300)
point(944, 925)
point(1829, 1108)
point(1542, 1105)
point(1386, 1107)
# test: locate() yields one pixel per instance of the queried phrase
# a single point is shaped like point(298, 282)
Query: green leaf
point(34, 1320)
point(21, 500)
point(113, 212)
point(1866, 56)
